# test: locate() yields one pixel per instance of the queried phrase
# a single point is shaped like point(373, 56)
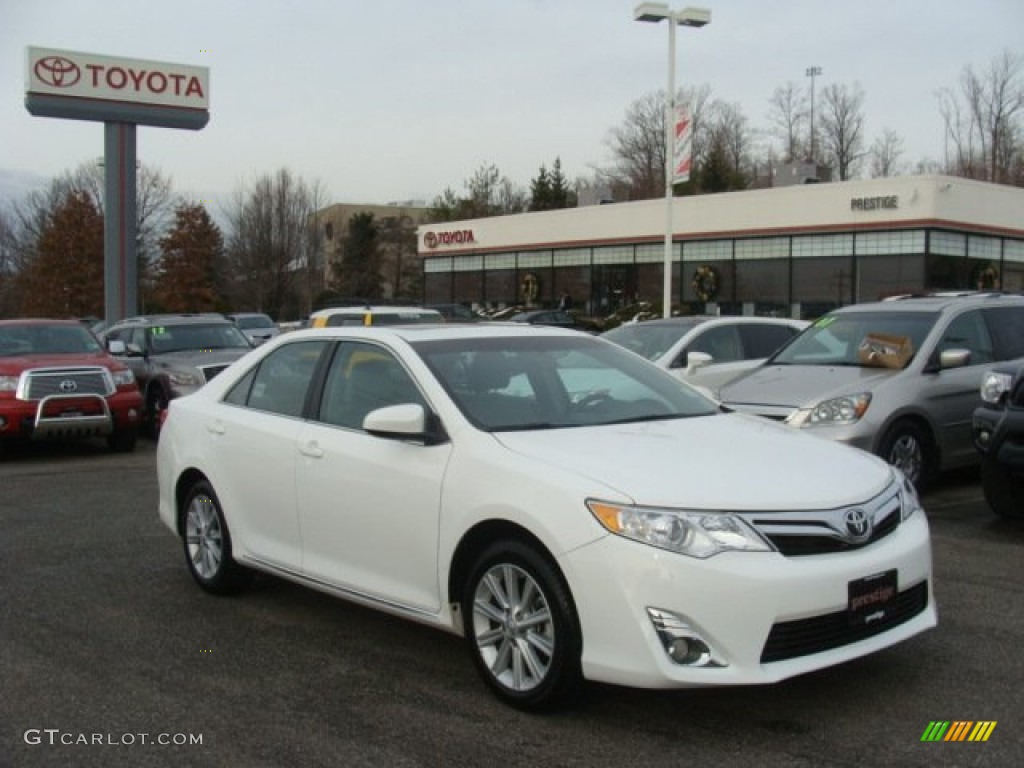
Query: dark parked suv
point(174, 355)
point(999, 437)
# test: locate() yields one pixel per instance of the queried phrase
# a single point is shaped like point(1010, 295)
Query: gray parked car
point(897, 378)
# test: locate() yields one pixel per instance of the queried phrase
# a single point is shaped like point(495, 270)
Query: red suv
point(57, 382)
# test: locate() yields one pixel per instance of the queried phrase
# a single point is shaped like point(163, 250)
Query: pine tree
point(191, 250)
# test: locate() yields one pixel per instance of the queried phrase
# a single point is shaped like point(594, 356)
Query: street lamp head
point(688, 17)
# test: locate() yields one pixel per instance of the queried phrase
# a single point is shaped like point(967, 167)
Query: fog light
point(682, 643)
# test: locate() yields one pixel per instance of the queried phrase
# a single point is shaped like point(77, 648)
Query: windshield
point(42, 339)
point(835, 339)
point(648, 340)
point(520, 383)
point(178, 338)
point(249, 322)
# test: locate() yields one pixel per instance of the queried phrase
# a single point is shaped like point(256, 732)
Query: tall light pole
point(688, 17)
point(813, 72)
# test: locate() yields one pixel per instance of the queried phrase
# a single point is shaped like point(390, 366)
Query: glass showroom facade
point(799, 275)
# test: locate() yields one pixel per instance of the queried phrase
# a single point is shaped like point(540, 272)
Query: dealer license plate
point(872, 598)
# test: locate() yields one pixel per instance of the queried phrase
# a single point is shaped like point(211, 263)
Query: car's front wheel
point(521, 626)
point(1003, 491)
point(907, 448)
point(207, 543)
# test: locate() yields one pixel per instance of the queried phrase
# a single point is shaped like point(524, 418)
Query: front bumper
point(734, 601)
point(999, 436)
point(64, 417)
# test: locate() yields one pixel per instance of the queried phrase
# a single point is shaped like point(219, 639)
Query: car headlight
point(123, 378)
point(839, 410)
point(185, 379)
point(8, 383)
point(910, 502)
point(994, 387)
point(688, 532)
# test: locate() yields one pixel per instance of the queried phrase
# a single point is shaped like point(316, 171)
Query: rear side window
point(762, 339)
point(1006, 324)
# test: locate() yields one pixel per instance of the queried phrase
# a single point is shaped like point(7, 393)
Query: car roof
point(360, 309)
point(439, 331)
point(935, 302)
point(39, 321)
point(174, 319)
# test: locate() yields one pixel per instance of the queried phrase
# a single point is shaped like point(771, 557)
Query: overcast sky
point(393, 100)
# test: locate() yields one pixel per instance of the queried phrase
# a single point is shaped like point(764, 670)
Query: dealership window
point(762, 248)
point(763, 285)
point(881, 243)
point(534, 260)
point(572, 257)
point(437, 288)
point(1013, 265)
point(822, 284)
point(500, 261)
point(467, 263)
point(649, 253)
point(823, 245)
point(948, 244)
point(708, 250)
point(888, 275)
point(499, 289)
point(617, 254)
point(437, 264)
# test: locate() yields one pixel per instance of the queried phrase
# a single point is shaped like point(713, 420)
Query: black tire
point(907, 447)
point(123, 441)
point(207, 543)
point(156, 404)
point(1003, 491)
point(521, 627)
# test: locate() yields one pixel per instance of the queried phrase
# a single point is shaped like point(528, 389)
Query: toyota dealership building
point(790, 251)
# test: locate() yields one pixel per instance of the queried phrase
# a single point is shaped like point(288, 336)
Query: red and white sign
point(112, 78)
point(450, 237)
point(683, 149)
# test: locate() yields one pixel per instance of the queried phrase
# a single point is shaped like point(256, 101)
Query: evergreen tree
point(357, 272)
point(540, 191)
point(191, 251)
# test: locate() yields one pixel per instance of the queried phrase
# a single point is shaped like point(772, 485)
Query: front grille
point(803, 637)
point(823, 532)
point(209, 371)
point(46, 382)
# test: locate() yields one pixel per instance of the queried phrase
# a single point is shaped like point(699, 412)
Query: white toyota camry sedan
point(572, 510)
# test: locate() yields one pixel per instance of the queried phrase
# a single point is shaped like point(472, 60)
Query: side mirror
point(116, 347)
point(954, 358)
point(696, 360)
point(409, 421)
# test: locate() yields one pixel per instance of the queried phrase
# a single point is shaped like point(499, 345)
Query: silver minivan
point(898, 378)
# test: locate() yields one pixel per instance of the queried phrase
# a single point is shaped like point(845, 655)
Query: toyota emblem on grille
point(68, 385)
point(858, 524)
point(58, 71)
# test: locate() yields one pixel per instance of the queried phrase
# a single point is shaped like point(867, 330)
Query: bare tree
point(787, 111)
point(731, 128)
point(885, 154)
point(843, 127)
point(638, 144)
point(985, 122)
point(268, 243)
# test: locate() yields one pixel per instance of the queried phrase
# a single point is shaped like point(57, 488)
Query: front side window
point(722, 342)
point(762, 339)
point(362, 378)
point(968, 331)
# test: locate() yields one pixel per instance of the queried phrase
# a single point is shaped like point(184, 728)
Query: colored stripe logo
point(958, 730)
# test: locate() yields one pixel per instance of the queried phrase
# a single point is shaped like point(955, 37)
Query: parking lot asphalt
point(110, 656)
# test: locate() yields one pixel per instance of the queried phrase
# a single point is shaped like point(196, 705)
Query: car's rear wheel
point(156, 405)
point(906, 447)
point(207, 543)
point(521, 627)
point(1003, 491)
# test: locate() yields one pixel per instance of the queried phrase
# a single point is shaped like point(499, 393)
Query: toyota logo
point(430, 240)
point(858, 524)
point(68, 385)
point(58, 71)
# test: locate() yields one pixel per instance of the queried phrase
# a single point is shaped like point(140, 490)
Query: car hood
point(723, 461)
point(15, 365)
point(800, 386)
point(200, 357)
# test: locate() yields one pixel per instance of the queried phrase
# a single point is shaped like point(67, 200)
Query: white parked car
point(707, 350)
point(571, 509)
